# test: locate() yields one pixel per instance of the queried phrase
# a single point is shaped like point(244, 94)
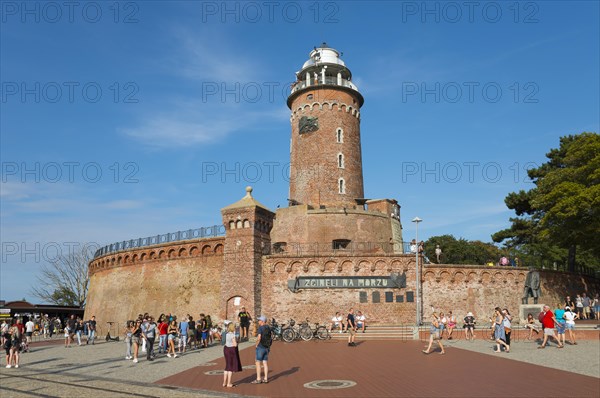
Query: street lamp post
point(417, 220)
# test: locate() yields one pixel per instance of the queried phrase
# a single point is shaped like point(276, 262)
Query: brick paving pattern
point(395, 369)
point(379, 369)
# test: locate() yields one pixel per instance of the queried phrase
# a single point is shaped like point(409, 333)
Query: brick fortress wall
point(180, 278)
point(463, 288)
point(319, 305)
point(190, 277)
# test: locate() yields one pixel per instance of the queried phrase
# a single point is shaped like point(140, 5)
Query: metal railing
point(204, 232)
point(331, 248)
point(329, 80)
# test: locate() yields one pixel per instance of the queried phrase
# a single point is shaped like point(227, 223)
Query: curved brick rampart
point(177, 277)
point(189, 277)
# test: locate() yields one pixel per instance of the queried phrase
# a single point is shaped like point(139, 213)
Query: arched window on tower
point(340, 160)
point(339, 135)
point(342, 185)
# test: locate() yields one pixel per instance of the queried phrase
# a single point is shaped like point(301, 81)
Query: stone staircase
point(380, 332)
point(586, 330)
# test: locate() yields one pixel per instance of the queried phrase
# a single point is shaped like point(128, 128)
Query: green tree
point(562, 212)
point(461, 251)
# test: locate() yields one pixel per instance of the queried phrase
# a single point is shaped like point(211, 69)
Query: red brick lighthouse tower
point(326, 164)
point(327, 205)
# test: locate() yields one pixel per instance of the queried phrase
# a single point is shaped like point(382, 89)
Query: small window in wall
point(389, 297)
point(309, 97)
point(399, 298)
point(231, 224)
point(340, 160)
point(279, 247)
point(246, 224)
point(410, 297)
point(376, 297)
point(362, 297)
point(339, 134)
point(341, 186)
point(340, 244)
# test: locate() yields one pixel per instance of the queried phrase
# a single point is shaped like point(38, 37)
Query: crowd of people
point(342, 323)
point(175, 336)
point(550, 324)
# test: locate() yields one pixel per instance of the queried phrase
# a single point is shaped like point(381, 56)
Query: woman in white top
point(232, 356)
point(570, 317)
point(443, 323)
point(579, 306)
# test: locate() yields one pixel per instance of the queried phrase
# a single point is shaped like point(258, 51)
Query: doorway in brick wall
point(234, 306)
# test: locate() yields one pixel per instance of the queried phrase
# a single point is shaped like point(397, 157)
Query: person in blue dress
point(499, 334)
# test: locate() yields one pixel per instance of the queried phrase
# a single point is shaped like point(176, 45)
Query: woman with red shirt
point(162, 334)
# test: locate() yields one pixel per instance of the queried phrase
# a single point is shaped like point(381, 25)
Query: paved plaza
point(314, 369)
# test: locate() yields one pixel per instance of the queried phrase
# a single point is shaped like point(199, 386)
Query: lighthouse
point(327, 208)
point(325, 155)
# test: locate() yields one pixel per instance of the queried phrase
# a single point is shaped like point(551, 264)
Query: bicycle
point(276, 330)
point(290, 333)
point(320, 332)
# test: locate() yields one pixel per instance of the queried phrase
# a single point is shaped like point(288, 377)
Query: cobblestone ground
point(101, 370)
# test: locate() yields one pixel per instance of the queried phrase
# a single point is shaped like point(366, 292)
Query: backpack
point(265, 338)
point(541, 316)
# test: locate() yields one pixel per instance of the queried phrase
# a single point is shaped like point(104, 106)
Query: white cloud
point(190, 121)
point(210, 57)
point(15, 190)
point(171, 132)
point(189, 126)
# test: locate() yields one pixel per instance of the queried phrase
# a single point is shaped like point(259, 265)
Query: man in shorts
point(336, 322)
point(548, 322)
point(262, 352)
point(351, 327)
point(29, 326)
point(361, 321)
point(586, 306)
point(245, 318)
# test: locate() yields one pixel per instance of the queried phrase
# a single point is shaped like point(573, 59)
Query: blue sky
point(147, 117)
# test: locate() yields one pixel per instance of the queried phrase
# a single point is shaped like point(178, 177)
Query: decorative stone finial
point(248, 191)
